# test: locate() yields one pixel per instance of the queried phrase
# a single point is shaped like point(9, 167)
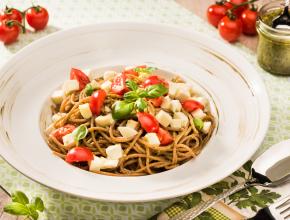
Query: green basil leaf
point(80, 133)
point(141, 104)
point(32, 211)
point(19, 197)
point(141, 93)
point(130, 96)
point(132, 85)
point(89, 89)
point(145, 70)
point(122, 110)
point(16, 208)
point(156, 91)
point(38, 203)
point(198, 123)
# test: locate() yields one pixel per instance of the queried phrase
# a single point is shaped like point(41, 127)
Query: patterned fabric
point(69, 13)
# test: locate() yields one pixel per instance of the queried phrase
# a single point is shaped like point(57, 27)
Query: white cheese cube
point(127, 132)
point(85, 110)
point(166, 104)
point(106, 86)
point(182, 93)
point(57, 96)
point(109, 75)
point(152, 139)
point(91, 73)
point(68, 140)
point(104, 121)
point(70, 86)
point(198, 113)
point(129, 67)
point(200, 99)
point(176, 123)
point(206, 127)
point(184, 119)
point(163, 118)
point(95, 84)
point(194, 91)
point(110, 164)
point(132, 124)
point(114, 152)
point(107, 109)
point(173, 87)
point(175, 106)
point(58, 116)
point(96, 164)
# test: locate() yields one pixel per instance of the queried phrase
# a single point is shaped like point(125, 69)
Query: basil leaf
point(132, 85)
point(89, 89)
point(130, 96)
point(32, 211)
point(145, 70)
point(156, 91)
point(80, 132)
point(19, 197)
point(38, 203)
point(141, 93)
point(16, 208)
point(141, 104)
point(198, 123)
point(122, 110)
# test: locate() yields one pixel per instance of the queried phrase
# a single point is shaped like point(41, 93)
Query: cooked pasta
point(128, 124)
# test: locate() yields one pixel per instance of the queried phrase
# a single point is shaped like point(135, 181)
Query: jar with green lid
point(274, 44)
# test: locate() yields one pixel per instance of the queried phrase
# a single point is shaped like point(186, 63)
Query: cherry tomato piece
point(9, 31)
point(249, 18)
point(190, 105)
point(157, 102)
point(148, 122)
point(132, 70)
point(230, 29)
point(37, 17)
point(79, 154)
point(81, 77)
point(164, 136)
point(63, 131)
point(119, 84)
point(153, 80)
point(11, 14)
point(97, 101)
point(215, 13)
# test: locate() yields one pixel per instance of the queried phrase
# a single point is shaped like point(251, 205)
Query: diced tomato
point(79, 154)
point(97, 101)
point(157, 102)
point(81, 77)
point(148, 122)
point(119, 84)
point(190, 105)
point(153, 80)
point(164, 136)
point(132, 71)
point(63, 131)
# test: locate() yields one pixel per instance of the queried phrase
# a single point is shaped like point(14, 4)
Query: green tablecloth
point(69, 13)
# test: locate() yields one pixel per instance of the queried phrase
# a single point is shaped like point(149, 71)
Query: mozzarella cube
point(152, 139)
point(182, 93)
point(206, 127)
point(176, 123)
point(166, 104)
point(200, 99)
point(58, 116)
point(107, 109)
point(70, 86)
point(184, 119)
point(96, 164)
point(175, 106)
point(109, 75)
point(114, 152)
point(163, 118)
point(198, 113)
point(127, 132)
point(68, 140)
point(85, 110)
point(110, 164)
point(91, 73)
point(173, 87)
point(106, 86)
point(104, 121)
point(132, 124)
point(57, 96)
point(194, 90)
point(95, 84)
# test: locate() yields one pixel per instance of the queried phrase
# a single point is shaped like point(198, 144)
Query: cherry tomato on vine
point(249, 18)
point(9, 31)
point(240, 9)
point(215, 13)
point(230, 28)
point(11, 14)
point(37, 17)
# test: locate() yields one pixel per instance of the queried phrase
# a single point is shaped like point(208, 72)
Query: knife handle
point(263, 214)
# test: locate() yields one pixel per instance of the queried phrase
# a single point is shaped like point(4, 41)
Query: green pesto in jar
point(274, 44)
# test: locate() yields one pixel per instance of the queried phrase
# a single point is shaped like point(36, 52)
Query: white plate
point(32, 74)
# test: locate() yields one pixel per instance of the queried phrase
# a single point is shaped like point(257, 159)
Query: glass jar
point(274, 44)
